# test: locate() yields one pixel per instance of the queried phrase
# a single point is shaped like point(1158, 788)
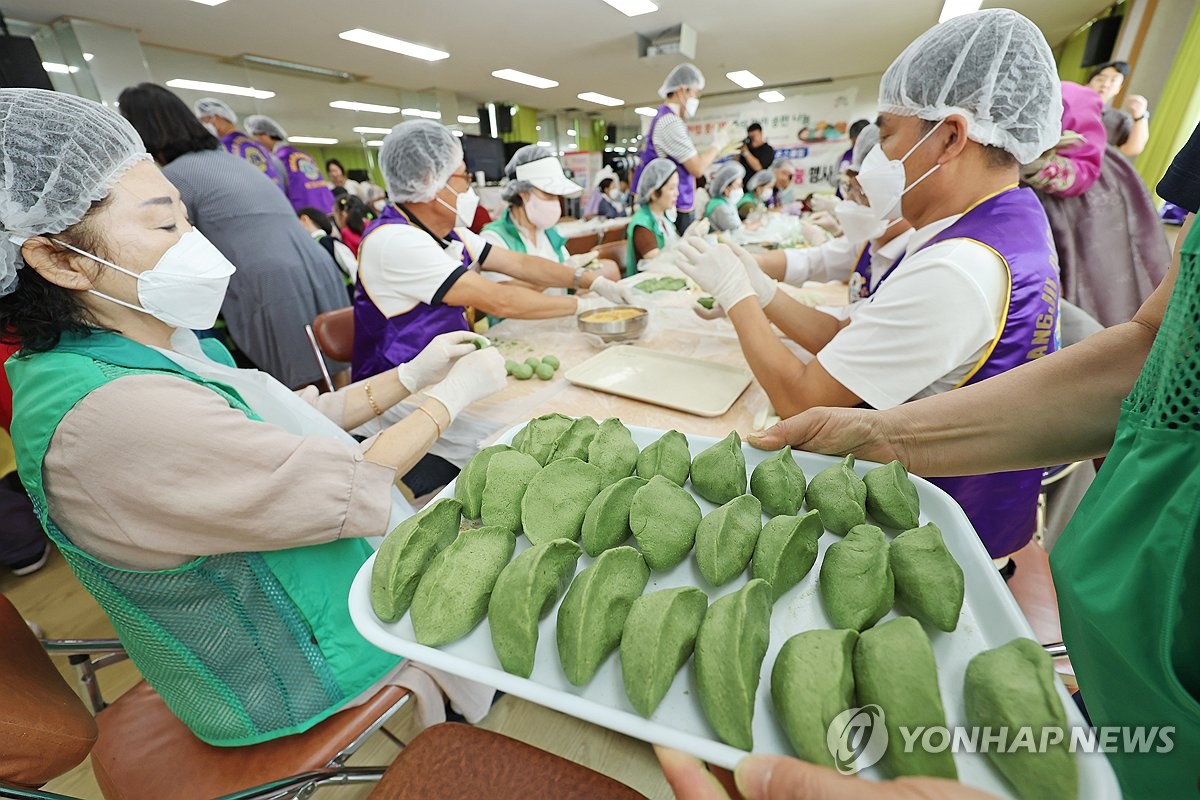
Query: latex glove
point(822, 202)
point(581, 259)
point(813, 234)
point(717, 269)
point(723, 137)
point(590, 303)
point(473, 377)
point(612, 291)
point(608, 269)
point(763, 285)
point(827, 221)
point(698, 228)
point(431, 364)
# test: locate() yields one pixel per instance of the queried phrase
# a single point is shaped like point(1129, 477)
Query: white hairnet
point(759, 179)
point(783, 165)
point(992, 67)
point(688, 76)
point(726, 174)
point(526, 154)
point(261, 123)
point(417, 158)
point(58, 155)
point(868, 137)
point(654, 177)
point(212, 107)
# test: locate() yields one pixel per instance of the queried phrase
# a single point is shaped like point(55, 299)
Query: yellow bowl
point(615, 323)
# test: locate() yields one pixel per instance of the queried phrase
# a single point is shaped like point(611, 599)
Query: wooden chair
point(140, 750)
point(332, 334)
point(613, 235)
point(582, 243)
point(614, 251)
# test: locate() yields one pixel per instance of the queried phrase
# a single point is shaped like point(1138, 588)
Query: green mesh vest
point(1127, 568)
point(243, 647)
point(507, 230)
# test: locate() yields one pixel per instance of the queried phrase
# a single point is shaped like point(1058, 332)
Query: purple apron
point(245, 148)
point(687, 184)
point(305, 184)
point(380, 342)
point(1003, 505)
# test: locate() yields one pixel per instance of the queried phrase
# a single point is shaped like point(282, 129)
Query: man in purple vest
point(221, 121)
point(975, 292)
point(668, 138)
point(419, 266)
point(306, 187)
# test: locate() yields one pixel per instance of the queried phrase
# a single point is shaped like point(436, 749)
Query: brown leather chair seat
point(335, 333)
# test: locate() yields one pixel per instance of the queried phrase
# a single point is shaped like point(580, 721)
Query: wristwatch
point(1142, 117)
point(578, 277)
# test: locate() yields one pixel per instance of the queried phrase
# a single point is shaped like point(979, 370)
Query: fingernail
point(752, 776)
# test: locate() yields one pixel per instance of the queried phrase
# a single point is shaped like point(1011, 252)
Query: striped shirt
point(671, 139)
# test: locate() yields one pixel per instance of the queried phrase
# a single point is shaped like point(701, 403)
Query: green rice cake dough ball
point(668, 456)
point(725, 539)
point(929, 582)
point(539, 435)
point(533, 362)
point(508, 474)
point(575, 440)
point(510, 365)
point(544, 372)
point(811, 683)
point(730, 648)
point(1013, 686)
point(778, 482)
point(606, 523)
point(658, 638)
point(856, 583)
point(613, 451)
point(406, 553)
point(592, 615)
point(522, 372)
point(524, 593)
point(664, 518)
point(452, 597)
point(552, 362)
point(891, 497)
point(719, 473)
point(557, 499)
point(468, 488)
point(895, 670)
point(840, 495)
point(786, 551)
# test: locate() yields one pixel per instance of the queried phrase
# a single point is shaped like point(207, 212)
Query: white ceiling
point(584, 44)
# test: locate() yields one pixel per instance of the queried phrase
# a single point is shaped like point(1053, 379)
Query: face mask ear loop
point(97, 259)
point(929, 133)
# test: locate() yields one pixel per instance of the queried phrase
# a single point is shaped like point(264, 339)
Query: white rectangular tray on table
point(678, 382)
point(990, 617)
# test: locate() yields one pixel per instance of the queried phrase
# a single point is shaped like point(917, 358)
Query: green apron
point(507, 230)
point(642, 218)
point(1127, 568)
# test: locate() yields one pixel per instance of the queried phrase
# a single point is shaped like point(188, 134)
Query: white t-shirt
point(401, 266)
point(835, 259)
point(539, 247)
point(925, 328)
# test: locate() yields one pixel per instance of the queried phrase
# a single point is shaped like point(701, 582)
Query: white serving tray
point(685, 384)
point(990, 618)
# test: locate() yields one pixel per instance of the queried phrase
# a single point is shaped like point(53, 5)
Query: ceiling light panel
point(422, 113)
point(350, 105)
point(633, 8)
point(956, 8)
point(393, 45)
point(465, 120)
point(646, 111)
point(220, 88)
point(771, 97)
point(600, 99)
point(366, 129)
point(516, 76)
point(745, 79)
point(312, 140)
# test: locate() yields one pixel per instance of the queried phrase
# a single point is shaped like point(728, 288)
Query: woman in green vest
point(653, 224)
point(759, 189)
point(216, 516)
point(726, 188)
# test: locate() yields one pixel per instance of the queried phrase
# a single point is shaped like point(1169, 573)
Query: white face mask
point(671, 214)
point(860, 223)
point(208, 126)
point(691, 105)
point(882, 179)
point(764, 194)
point(465, 205)
point(614, 194)
point(542, 213)
point(184, 289)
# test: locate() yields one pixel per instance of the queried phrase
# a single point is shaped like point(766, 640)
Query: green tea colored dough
point(707, 302)
point(544, 372)
point(659, 635)
point(856, 579)
point(725, 539)
point(510, 365)
point(894, 669)
point(811, 683)
point(480, 343)
point(552, 361)
point(840, 495)
point(1013, 686)
point(779, 483)
point(525, 592)
point(592, 615)
point(786, 551)
point(891, 496)
point(606, 523)
point(557, 499)
point(405, 555)
point(613, 451)
point(719, 473)
point(468, 488)
point(929, 582)
point(664, 518)
point(575, 440)
point(730, 648)
point(668, 456)
point(537, 438)
point(452, 596)
point(522, 372)
point(508, 473)
point(533, 362)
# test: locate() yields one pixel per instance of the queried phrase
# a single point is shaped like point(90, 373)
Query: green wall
point(351, 156)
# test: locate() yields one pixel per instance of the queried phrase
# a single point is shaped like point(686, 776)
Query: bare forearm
point(518, 303)
point(807, 327)
point(751, 161)
point(386, 391)
point(776, 368)
point(1057, 409)
point(773, 263)
point(1138, 137)
point(534, 270)
point(402, 445)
